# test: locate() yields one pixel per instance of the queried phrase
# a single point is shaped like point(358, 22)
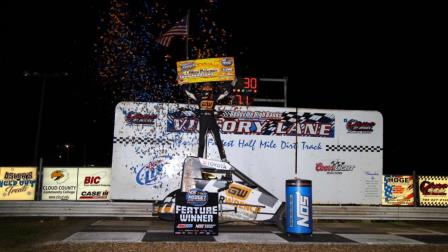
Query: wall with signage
point(59, 183)
point(433, 191)
point(17, 183)
point(94, 183)
point(398, 190)
point(76, 183)
point(340, 150)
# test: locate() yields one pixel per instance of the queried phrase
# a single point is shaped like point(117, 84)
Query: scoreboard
point(250, 91)
point(245, 90)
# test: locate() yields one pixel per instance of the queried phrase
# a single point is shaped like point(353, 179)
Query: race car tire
point(280, 218)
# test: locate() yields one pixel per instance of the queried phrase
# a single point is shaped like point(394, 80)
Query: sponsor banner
point(206, 70)
point(260, 141)
point(17, 183)
point(196, 213)
point(433, 190)
point(398, 190)
point(257, 123)
point(94, 183)
point(59, 183)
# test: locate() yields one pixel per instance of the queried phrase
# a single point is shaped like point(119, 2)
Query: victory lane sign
point(196, 213)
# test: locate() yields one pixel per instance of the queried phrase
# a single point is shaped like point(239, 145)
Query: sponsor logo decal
point(184, 225)
point(57, 175)
point(92, 180)
point(151, 173)
point(18, 176)
point(335, 167)
point(227, 62)
point(431, 188)
point(196, 197)
point(94, 194)
point(213, 164)
point(139, 118)
point(187, 65)
point(303, 215)
point(355, 126)
point(60, 176)
point(238, 191)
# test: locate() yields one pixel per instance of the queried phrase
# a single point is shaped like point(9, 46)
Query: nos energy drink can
point(299, 214)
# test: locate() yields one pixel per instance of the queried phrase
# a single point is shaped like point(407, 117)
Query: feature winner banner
point(196, 213)
point(433, 190)
point(339, 150)
point(17, 183)
point(59, 183)
point(398, 190)
point(206, 70)
point(94, 183)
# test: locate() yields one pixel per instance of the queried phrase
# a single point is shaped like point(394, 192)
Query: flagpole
point(188, 30)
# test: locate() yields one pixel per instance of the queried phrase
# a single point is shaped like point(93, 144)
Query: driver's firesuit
point(207, 121)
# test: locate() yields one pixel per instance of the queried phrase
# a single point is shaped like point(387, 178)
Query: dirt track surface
point(230, 247)
point(50, 234)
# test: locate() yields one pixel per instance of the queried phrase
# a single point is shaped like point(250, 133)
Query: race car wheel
point(280, 218)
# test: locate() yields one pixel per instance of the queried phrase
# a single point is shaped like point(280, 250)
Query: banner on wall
point(94, 183)
point(17, 183)
point(398, 190)
point(206, 70)
point(433, 190)
point(59, 183)
point(339, 150)
point(196, 213)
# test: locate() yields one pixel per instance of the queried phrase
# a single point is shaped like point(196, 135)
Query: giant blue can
point(299, 214)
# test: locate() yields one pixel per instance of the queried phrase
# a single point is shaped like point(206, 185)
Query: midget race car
point(240, 198)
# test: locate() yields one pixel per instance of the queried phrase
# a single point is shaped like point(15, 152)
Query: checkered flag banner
point(141, 140)
point(289, 118)
point(353, 148)
point(316, 118)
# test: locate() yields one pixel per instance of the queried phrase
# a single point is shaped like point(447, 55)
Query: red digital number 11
point(240, 99)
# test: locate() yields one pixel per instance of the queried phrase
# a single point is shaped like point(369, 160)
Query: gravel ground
point(230, 247)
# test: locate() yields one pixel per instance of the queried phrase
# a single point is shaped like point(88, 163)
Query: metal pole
point(188, 31)
point(297, 142)
point(40, 174)
point(205, 145)
point(285, 91)
point(39, 120)
point(416, 188)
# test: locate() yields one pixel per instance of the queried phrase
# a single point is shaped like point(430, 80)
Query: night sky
point(340, 57)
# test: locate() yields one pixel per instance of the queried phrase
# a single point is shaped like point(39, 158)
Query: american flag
point(179, 29)
point(388, 189)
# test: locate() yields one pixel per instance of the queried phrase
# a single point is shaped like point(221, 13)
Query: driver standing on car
point(207, 121)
